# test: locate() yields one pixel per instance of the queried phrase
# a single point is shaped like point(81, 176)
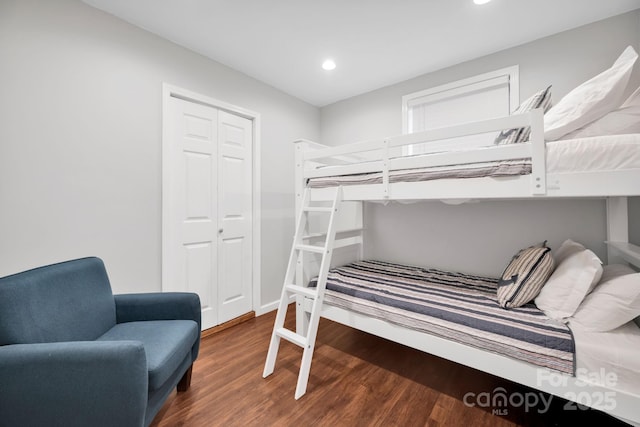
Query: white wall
point(80, 142)
point(80, 146)
point(481, 238)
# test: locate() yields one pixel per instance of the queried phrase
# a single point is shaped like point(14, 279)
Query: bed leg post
point(302, 319)
point(617, 226)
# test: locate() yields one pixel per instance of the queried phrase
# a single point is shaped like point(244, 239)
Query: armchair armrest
point(74, 384)
point(157, 306)
point(160, 306)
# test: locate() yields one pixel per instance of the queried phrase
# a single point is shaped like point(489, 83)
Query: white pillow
point(567, 248)
point(611, 304)
point(623, 120)
point(591, 100)
point(577, 272)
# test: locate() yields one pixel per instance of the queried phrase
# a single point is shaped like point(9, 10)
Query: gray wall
point(80, 142)
point(481, 238)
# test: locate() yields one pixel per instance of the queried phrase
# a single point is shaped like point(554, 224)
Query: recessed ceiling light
point(481, 1)
point(328, 65)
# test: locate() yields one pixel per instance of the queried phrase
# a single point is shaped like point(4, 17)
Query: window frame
point(457, 88)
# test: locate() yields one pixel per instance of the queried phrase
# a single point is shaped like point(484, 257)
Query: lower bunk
point(457, 317)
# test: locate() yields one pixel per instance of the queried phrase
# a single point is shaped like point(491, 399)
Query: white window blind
point(481, 97)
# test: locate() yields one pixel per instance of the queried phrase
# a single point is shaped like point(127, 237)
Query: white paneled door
point(207, 208)
point(234, 215)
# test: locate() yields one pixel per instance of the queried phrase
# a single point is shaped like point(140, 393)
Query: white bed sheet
point(616, 352)
point(598, 153)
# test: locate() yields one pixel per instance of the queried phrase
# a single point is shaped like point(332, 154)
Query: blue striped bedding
point(455, 306)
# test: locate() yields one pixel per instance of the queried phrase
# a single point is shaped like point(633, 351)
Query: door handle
point(220, 230)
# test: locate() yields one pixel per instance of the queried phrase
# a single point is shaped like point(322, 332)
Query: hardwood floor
point(356, 380)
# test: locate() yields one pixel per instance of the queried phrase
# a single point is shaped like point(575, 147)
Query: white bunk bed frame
point(614, 186)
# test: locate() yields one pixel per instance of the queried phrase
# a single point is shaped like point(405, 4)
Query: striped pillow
point(541, 99)
point(525, 275)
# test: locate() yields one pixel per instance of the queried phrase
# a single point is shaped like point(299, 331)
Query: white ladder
point(279, 331)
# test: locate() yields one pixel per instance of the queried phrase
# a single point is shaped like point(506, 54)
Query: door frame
point(171, 91)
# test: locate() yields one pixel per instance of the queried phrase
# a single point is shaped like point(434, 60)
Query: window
point(481, 97)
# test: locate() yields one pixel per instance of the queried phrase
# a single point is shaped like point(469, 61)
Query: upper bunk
point(381, 170)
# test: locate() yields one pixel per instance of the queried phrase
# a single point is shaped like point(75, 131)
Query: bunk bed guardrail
point(348, 159)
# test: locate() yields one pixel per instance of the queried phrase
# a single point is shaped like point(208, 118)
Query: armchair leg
point(185, 382)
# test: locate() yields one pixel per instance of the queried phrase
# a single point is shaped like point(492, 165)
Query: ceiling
point(375, 43)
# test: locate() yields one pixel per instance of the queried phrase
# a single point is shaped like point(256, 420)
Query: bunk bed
point(379, 171)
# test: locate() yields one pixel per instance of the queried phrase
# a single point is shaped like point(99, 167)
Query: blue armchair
point(74, 354)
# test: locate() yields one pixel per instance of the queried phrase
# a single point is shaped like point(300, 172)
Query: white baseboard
point(266, 308)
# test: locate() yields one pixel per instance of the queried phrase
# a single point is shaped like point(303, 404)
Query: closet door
point(234, 215)
point(207, 205)
point(190, 205)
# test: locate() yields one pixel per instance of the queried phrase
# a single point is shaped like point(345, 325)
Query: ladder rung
point(318, 235)
point(313, 236)
point(311, 248)
point(317, 209)
point(292, 337)
point(311, 293)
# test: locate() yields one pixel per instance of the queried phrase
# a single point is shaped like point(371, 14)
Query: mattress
point(600, 153)
point(609, 358)
point(454, 306)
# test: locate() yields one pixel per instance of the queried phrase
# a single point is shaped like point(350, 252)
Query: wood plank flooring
point(356, 380)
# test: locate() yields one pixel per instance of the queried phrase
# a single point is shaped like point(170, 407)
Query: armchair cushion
point(166, 344)
point(160, 306)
